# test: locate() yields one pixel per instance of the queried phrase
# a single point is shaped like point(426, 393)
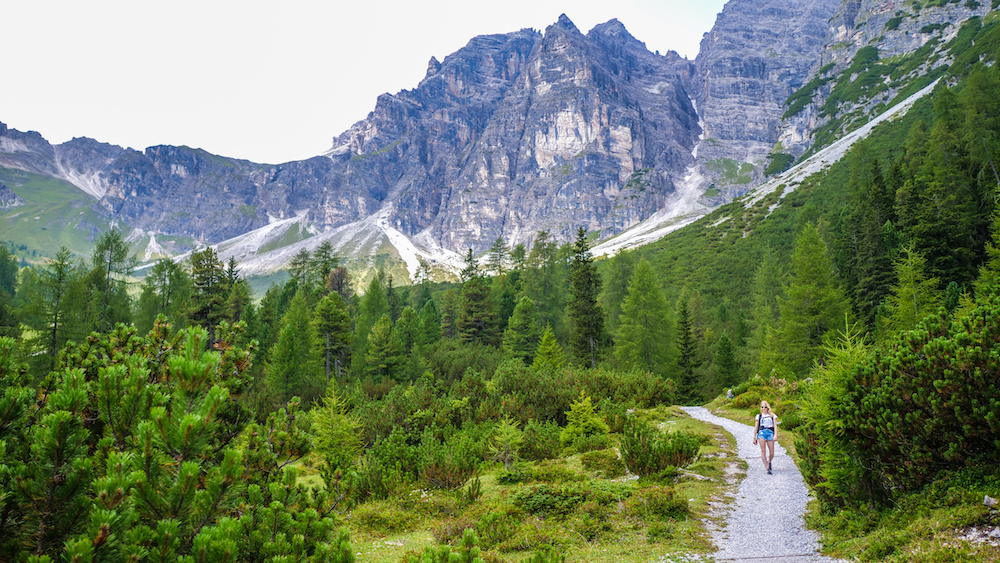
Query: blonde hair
point(769, 411)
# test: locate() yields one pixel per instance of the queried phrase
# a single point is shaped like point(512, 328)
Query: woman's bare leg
point(770, 447)
point(763, 451)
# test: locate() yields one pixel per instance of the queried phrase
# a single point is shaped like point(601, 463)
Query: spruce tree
point(764, 313)
point(687, 361)
point(586, 319)
point(208, 298)
point(333, 331)
point(449, 313)
point(430, 324)
point(372, 305)
point(617, 275)
point(644, 335)
point(497, 253)
point(477, 317)
point(299, 267)
point(725, 367)
point(521, 338)
point(544, 281)
point(322, 263)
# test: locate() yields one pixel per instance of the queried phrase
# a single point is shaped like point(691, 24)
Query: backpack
point(770, 417)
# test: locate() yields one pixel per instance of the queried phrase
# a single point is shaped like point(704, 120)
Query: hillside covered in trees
point(176, 418)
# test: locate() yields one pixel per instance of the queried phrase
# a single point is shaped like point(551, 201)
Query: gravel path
point(766, 522)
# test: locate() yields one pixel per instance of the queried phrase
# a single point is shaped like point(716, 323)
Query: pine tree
point(549, 355)
point(333, 331)
point(587, 336)
point(644, 335)
point(384, 358)
point(686, 357)
point(521, 338)
point(291, 369)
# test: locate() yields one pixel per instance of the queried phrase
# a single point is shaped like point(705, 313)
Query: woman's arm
point(756, 427)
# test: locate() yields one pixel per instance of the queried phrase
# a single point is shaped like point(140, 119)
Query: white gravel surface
point(765, 523)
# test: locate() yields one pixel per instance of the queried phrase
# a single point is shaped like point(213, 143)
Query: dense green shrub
point(887, 420)
point(541, 440)
point(657, 503)
point(498, 525)
point(647, 451)
point(606, 463)
point(555, 473)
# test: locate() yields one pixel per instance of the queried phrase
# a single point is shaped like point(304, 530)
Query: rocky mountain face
point(753, 59)
point(529, 131)
point(876, 53)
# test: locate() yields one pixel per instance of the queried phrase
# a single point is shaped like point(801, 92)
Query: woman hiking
point(765, 431)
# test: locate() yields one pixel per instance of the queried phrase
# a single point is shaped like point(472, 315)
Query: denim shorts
point(765, 434)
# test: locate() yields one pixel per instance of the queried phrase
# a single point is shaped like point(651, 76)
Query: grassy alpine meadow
point(54, 214)
point(586, 506)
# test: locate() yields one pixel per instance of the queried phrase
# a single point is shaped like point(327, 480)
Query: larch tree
point(813, 304)
point(521, 338)
point(549, 355)
point(291, 370)
point(644, 334)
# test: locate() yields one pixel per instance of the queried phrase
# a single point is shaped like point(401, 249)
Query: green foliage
point(521, 338)
point(507, 441)
point(646, 451)
point(644, 334)
point(778, 162)
point(582, 422)
point(541, 440)
point(606, 463)
point(549, 355)
point(292, 370)
point(657, 503)
point(588, 339)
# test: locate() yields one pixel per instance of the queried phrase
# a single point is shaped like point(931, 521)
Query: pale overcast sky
point(265, 81)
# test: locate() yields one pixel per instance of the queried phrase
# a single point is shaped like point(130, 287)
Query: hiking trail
point(765, 523)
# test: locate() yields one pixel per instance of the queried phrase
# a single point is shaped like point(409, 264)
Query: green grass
point(731, 171)
point(385, 531)
point(55, 214)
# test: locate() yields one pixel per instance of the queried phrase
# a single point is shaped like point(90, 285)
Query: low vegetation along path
point(767, 521)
